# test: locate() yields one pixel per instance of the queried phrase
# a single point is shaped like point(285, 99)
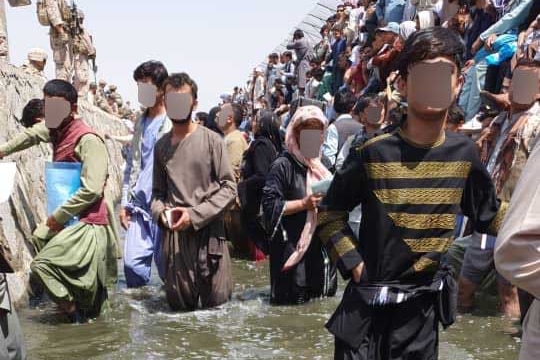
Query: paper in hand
point(7, 180)
point(321, 187)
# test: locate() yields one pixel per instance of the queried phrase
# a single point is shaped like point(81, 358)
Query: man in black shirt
point(411, 183)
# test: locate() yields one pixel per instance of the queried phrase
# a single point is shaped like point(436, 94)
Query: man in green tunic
point(74, 263)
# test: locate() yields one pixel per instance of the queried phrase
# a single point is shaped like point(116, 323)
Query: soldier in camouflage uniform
point(37, 59)
point(3, 46)
point(83, 51)
point(59, 15)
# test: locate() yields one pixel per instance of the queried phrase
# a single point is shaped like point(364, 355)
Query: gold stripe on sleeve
point(427, 245)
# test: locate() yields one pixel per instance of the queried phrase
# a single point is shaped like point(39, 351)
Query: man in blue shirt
point(143, 234)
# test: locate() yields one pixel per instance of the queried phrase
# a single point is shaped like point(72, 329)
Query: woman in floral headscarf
point(300, 268)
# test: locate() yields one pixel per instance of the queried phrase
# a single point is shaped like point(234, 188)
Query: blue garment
point(143, 239)
point(338, 48)
point(390, 10)
point(143, 188)
point(481, 22)
point(515, 15)
point(143, 236)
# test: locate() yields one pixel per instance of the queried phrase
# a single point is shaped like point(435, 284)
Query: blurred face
point(337, 34)
point(179, 104)
point(309, 137)
point(525, 87)
point(425, 100)
point(147, 90)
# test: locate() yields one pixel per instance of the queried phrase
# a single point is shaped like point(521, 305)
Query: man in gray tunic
point(303, 51)
point(193, 185)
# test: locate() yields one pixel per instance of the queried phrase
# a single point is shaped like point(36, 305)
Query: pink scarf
point(316, 172)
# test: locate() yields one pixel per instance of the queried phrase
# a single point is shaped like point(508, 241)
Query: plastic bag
point(62, 180)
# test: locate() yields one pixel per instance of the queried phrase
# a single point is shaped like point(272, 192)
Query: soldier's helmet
point(93, 85)
point(112, 87)
point(37, 54)
point(102, 83)
point(80, 14)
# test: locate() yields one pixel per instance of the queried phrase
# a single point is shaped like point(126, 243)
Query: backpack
point(42, 15)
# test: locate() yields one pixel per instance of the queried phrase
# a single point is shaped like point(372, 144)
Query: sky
point(217, 42)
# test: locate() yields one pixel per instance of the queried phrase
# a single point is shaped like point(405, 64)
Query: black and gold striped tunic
point(410, 198)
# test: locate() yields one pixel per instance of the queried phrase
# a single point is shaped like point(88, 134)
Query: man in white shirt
point(341, 129)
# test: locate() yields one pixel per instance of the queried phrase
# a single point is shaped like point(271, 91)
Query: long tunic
point(77, 263)
point(313, 276)
point(195, 174)
point(410, 197)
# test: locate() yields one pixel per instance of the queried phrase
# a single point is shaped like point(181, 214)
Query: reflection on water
point(140, 325)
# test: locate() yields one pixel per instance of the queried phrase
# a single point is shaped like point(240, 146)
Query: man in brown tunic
point(193, 186)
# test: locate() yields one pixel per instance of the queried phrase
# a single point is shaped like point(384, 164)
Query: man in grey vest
point(340, 130)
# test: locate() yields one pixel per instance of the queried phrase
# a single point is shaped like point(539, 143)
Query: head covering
point(113, 87)
point(269, 128)
point(392, 27)
point(316, 171)
point(102, 82)
point(37, 54)
point(406, 29)
point(426, 19)
point(80, 14)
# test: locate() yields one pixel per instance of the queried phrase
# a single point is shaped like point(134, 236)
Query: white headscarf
point(406, 29)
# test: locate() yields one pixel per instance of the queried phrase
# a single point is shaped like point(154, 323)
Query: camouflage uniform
point(83, 50)
point(3, 46)
point(35, 55)
point(60, 43)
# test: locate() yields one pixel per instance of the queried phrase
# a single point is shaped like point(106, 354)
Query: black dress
point(314, 276)
point(257, 161)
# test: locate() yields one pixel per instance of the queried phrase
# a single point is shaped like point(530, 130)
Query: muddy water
point(140, 326)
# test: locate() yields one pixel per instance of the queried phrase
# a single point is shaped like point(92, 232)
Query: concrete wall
point(27, 206)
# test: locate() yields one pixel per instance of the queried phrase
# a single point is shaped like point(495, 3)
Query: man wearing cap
point(83, 51)
point(37, 59)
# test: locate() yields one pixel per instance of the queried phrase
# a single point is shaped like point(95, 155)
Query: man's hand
point(357, 272)
point(467, 65)
point(184, 220)
point(54, 225)
point(490, 40)
point(311, 202)
point(125, 218)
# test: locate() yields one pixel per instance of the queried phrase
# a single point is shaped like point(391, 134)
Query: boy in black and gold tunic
point(411, 182)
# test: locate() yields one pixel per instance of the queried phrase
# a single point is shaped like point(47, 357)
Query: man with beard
point(411, 183)
point(193, 186)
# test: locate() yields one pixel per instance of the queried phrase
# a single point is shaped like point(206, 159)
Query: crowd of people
point(390, 152)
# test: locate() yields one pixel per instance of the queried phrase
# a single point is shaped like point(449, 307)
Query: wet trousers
point(12, 341)
point(198, 271)
point(407, 331)
point(143, 241)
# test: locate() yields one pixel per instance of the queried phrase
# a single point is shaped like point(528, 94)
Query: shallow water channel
point(141, 326)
